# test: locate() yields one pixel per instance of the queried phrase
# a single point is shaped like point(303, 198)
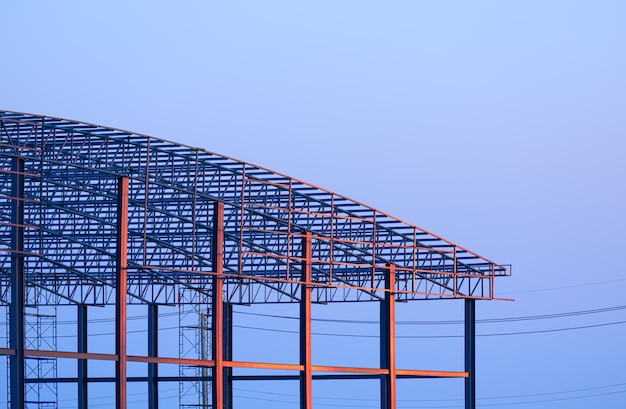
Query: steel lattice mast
point(87, 208)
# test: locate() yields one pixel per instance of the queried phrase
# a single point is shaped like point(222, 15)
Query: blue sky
point(498, 125)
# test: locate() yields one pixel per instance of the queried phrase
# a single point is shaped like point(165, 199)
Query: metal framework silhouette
point(95, 216)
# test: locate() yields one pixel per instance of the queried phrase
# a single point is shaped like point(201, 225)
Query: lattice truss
point(71, 178)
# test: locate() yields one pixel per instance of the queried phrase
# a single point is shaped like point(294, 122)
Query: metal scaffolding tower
point(93, 217)
point(41, 334)
point(194, 343)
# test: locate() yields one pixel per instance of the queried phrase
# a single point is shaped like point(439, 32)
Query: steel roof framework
point(277, 239)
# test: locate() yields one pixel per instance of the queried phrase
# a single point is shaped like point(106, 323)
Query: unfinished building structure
point(94, 216)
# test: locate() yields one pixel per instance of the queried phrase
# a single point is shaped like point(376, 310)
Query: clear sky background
point(499, 125)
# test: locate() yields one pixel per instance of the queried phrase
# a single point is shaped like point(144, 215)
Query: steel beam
point(217, 303)
point(153, 351)
point(470, 353)
point(144, 379)
point(16, 309)
point(121, 266)
point(306, 374)
point(388, 341)
point(228, 355)
point(82, 381)
point(356, 371)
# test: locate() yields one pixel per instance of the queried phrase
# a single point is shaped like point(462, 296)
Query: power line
point(564, 287)
point(451, 400)
point(376, 336)
point(549, 400)
point(450, 406)
point(332, 334)
point(449, 322)
point(401, 322)
point(403, 400)
point(527, 395)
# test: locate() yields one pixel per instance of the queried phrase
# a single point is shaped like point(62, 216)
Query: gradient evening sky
point(499, 125)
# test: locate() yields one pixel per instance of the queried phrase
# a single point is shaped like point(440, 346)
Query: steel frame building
point(94, 216)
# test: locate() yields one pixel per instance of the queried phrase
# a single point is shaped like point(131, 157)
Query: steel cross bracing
point(71, 172)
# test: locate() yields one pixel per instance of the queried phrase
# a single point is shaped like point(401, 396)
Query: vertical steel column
point(228, 355)
point(153, 350)
point(470, 353)
point(217, 302)
point(16, 309)
point(306, 375)
point(121, 265)
point(388, 341)
point(83, 385)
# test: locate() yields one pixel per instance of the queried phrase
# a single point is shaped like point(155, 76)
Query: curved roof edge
point(399, 230)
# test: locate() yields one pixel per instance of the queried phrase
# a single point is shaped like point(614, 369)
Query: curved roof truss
point(71, 182)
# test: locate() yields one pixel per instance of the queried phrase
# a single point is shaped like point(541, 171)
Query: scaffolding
point(194, 343)
point(92, 216)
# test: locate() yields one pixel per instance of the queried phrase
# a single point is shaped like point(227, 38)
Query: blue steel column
point(228, 355)
point(16, 320)
point(217, 302)
point(83, 385)
point(121, 264)
point(388, 341)
point(153, 350)
point(470, 353)
point(306, 375)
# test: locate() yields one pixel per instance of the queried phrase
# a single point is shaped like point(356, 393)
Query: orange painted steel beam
point(421, 373)
point(110, 357)
point(237, 364)
point(23, 253)
point(71, 355)
point(324, 377)
point(174, 361)
point(345, 369)
point(306, 375)
point(23, 226)
point(317, 284)
point(217, 302)
point(21, 199)
point(121, 267)
point(19, 172)
point(263, 365)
